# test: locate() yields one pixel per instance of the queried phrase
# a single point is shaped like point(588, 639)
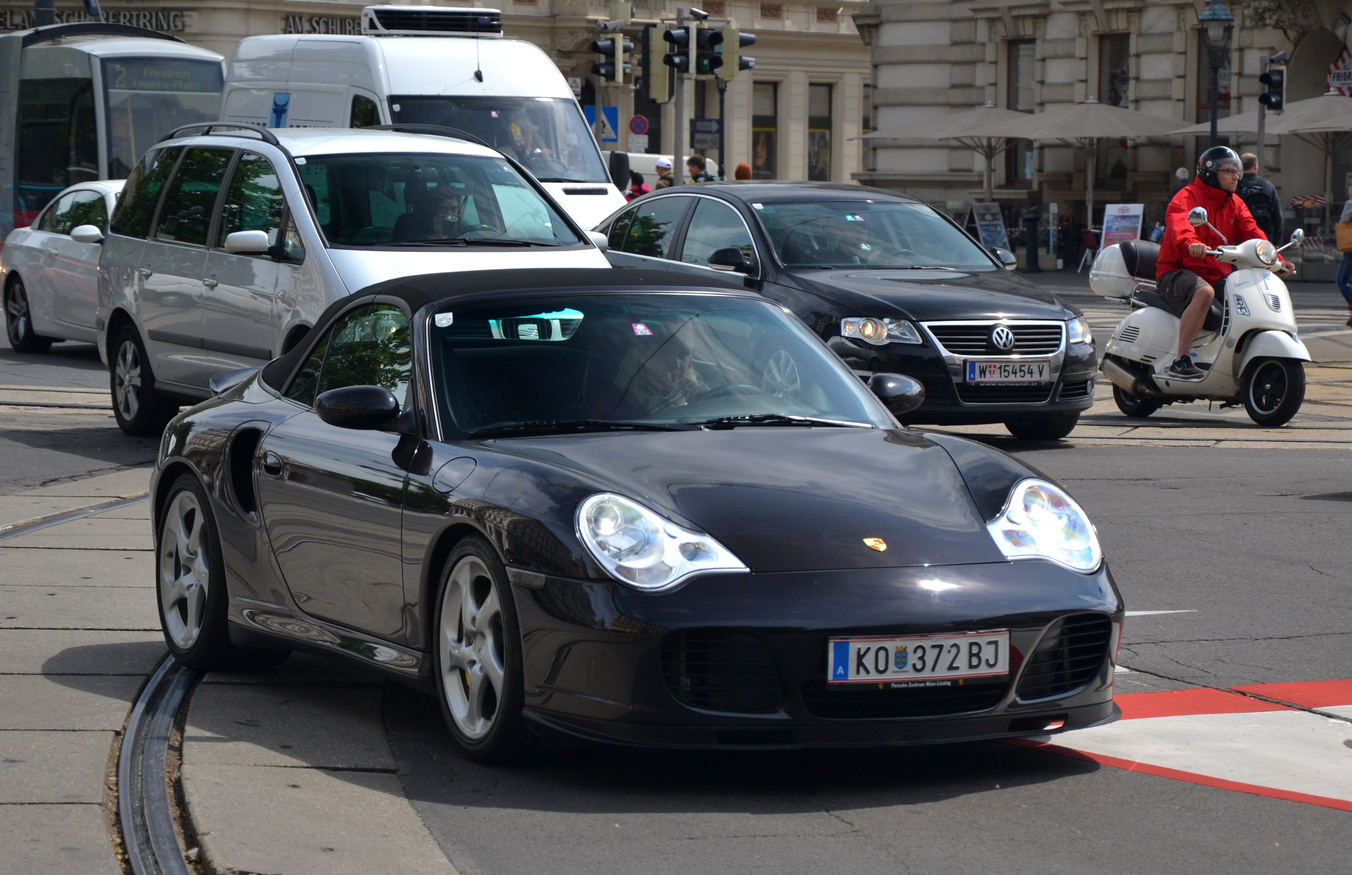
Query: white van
point(427, 65)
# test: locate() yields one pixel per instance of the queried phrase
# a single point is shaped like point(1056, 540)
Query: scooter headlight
point(1266, 253)
point(1040, 521)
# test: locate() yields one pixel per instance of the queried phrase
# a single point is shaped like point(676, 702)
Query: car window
point(714, 226)
point(620, 227)
point(368, 347)
point(653, 226)
point(56, 215)
point(191, 196)
point(136, 209)
point(302, 389)
point(87, 208)
point(365, 113)
point(253, 201)
point(878, 233)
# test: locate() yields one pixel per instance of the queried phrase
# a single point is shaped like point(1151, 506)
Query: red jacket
point(1224, 210)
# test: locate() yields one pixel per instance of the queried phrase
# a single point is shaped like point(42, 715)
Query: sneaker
point(1184, 369)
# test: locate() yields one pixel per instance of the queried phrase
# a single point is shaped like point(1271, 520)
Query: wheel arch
point(434, 564)
point(117, 320)
point(1268, 344)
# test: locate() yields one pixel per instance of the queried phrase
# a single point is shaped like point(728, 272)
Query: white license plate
point(919, 658)
point(1007, 371)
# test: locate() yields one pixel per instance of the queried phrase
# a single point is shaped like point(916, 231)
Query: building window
point(867, 154)
point(1113, 89)
point(819, 132)
point(764, 129)
point(774, 11)
point(1204, 84)
point(1021, 80)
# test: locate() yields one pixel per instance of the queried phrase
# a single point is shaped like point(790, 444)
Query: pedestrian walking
point(695, 164)
point(636, 186)
point(1260, 196)
point(1344, 278)
point(743, 171)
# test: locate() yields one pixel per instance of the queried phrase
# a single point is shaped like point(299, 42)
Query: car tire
point(1134, 405)
point(140, 411)
point(1274, 389)
point(190, 585)
point(19, 320)
point(1047, 427)
point(477, 656)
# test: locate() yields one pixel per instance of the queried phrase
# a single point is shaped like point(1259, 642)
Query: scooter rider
point(1184, 275)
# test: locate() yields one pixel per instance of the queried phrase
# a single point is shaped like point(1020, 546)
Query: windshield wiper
point(571, 426)
point(777, 419)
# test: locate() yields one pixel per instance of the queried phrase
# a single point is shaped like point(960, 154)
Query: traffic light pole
point(678, 152)
point(722, 128)
point(1262, 127)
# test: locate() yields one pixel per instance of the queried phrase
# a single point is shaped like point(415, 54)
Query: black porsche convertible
point(599, 504)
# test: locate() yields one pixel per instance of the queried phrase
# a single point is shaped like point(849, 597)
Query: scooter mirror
point(1197, 217)
point(1297, 235)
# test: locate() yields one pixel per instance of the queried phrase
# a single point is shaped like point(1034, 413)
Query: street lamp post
point(1217, 25)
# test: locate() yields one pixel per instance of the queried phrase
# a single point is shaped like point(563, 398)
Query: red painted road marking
point(1230, 740)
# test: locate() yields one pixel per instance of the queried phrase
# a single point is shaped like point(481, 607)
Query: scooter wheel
point(1134, 405)
point(1274, 390)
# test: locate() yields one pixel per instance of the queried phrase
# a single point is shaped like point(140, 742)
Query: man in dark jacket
point(1260, 197)
point(1186, 276)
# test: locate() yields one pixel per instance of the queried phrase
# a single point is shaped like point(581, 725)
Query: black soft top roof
point(416, 292)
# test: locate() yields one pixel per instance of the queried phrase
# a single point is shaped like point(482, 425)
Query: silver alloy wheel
point(127, 380)
point(16, 314)
point(473, 651)
point(780, 376)
point(184, 573)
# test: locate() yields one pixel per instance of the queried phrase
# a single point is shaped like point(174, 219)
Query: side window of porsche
point(369, 347)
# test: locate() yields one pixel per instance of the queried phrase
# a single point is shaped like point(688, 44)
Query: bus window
point(56, 147)
point(147, 97)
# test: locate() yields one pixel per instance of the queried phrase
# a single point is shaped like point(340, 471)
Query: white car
point(51, 268)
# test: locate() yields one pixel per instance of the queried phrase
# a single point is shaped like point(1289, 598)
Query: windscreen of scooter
point(548, 135)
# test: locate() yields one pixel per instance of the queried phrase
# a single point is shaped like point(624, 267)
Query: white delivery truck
point(428, 65)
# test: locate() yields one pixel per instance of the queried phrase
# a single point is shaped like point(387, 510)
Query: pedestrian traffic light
point(733, 42)
point(707, 57)
point(1274, 88)
point(678, 56)
point(612, 55)
point(656, 77)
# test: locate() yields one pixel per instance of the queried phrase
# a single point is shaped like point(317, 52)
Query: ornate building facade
point(797, 115)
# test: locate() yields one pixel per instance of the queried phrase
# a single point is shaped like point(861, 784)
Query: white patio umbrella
point(1324, 122)
point(1084, 125)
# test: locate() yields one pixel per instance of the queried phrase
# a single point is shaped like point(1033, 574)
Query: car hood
point(360, 268)
point(934, 294)
point(790, 498)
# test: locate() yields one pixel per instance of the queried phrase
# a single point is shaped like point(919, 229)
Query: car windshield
point(548, 135)
point(599, 361)
point(876, 234)
point(409, 199)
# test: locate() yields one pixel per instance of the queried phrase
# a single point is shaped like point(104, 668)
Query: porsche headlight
point(1040, 521)
point(641, 548)
point(879, 331)
point(1077, 331)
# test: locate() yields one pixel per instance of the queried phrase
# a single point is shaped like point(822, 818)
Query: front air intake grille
point(378, 20)
point(974, 338)
point(1010, 393)
point(866, 701)
point(1067, 658)
point(1129, 334)
point(720, 670)
point(1077, 390)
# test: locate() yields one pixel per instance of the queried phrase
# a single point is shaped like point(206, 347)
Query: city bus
point(84, 101)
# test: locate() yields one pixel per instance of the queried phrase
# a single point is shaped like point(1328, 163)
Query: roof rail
point(92, 28)
point(434, 130)
point(201, 129)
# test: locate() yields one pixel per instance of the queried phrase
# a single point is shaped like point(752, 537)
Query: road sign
point(638, 143)
point(638, 125)
point(704, 126)
point(610, 122)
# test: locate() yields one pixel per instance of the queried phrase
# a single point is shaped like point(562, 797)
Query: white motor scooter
point(1248, 350)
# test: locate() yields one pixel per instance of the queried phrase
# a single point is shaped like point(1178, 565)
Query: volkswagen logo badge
point(1002, 338)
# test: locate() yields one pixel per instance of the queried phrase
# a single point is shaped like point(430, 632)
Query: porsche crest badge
point(875, 544)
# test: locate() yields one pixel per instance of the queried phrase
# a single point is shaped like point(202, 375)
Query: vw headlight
point(1040, 521)
point(1077, 331)
point(879, 331)
point(641, 548)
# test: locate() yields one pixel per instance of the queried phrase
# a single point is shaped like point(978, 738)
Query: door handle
point(210, 282)
point(144, 272)
point(272, 464)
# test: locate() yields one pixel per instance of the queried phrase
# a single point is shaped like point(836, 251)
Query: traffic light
point(612, 55)
point(707, 58)
point(656, 77)
point(678, 56)
point(733, 42)
point(1274, 91)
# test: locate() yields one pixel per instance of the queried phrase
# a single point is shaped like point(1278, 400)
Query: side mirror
point(1296, 236)
point(601, 240)
point(731, 258)
point(358, 407)
point(619, 170)
point(86, 234)
point(1197, 217)
point(899, 393)
point(1007, 259)
point(248, 243)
